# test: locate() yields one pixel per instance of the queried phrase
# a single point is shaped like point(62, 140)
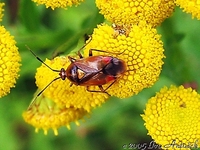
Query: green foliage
point(117, 122)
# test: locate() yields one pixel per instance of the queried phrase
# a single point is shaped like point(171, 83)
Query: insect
point(121, 30)
point(89, 71)
point(94, 70)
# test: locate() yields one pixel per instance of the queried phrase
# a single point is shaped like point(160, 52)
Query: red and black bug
point(94, 70)
point(90, 71)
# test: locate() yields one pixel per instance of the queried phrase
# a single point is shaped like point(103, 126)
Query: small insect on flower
point(94, 70)
point(121, 30)
point(90, 71)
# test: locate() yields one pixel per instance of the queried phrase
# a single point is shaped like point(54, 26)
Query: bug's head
point(63, 74)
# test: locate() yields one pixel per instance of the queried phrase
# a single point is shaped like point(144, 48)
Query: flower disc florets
point(140, 48)
point(58, 3)
point(131, 12)
point(190, 6)
point(44, 113)
point(173, 116)
point(62, 92)
point(1, 11)
point(9, 62)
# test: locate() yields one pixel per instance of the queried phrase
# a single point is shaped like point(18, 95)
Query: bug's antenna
point(41, 59)
point(33, 101)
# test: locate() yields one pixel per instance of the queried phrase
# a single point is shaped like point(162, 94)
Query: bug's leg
point(79, 51)
point(80, 55)
point(110, 85)
point(103, 51)
point(71, 59)
point(90, 52)
point(71, 84)
point(101, 90)
point(104, 90)
point(86, 37)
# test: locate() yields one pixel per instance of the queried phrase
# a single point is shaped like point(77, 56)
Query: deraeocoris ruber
point(94, 70)
point(90, 71)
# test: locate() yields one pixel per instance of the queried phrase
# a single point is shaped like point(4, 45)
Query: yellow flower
point(172, 117)
point(9, 62)
point(62, 92)
point(190, 6)
point(58, 3)
point(139, 47)
point(45, 114)
point(1, 11)
point(131, 12)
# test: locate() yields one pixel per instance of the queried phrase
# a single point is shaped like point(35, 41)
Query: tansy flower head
point(9, 62)
point(58, 3)
point(140, 48)
point(190, 6)
point(62, 92)
point(44, 113)
point(172, 117)
point(1, 11)
point(131, 12)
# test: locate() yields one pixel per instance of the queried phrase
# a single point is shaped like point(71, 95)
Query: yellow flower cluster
point(62, 92)
point(9, 61)
point(1, 11)
point(141, 49)
point(173, 116)
point(132, 12)
point(58, 3)
point(131, 40)
point(190, 6)
point(45, 114)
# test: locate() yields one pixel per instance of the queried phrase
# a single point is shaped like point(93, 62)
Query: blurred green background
point(117, 122)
